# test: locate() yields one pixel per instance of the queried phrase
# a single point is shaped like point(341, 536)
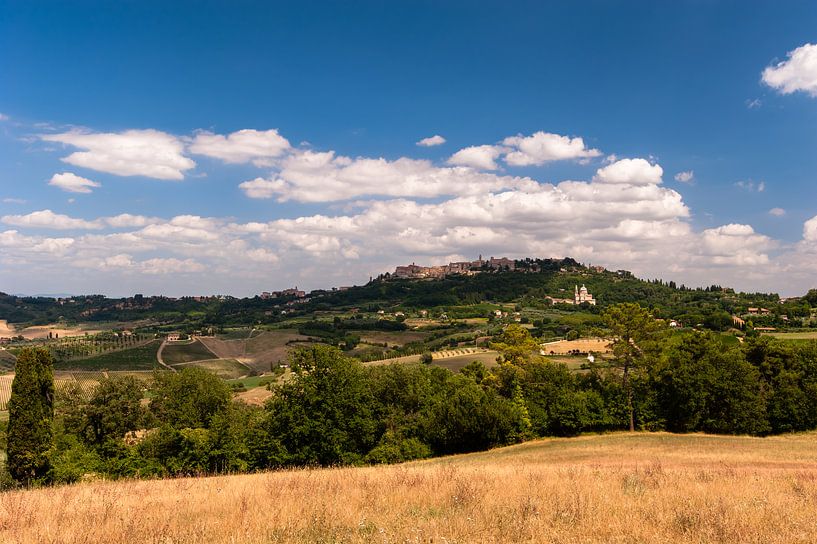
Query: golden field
point(621, 488)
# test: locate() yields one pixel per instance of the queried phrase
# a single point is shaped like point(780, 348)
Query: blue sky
point(576, 118)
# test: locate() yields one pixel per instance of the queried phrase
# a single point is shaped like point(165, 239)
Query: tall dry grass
point(616, 488)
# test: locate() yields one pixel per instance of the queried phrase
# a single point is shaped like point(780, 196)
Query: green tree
point(515, 344)
point(631, 326)
point(31, 413)
point(189, 398)
point(701, 384)
point(114, 409)
point(324, 414)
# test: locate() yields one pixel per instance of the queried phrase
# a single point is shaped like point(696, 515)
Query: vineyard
point(85, 347)
point(81, 383)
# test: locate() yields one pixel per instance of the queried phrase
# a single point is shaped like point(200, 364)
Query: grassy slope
point(138, 358)
point(615, 488)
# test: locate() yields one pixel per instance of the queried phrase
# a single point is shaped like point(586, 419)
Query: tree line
point(334, 411)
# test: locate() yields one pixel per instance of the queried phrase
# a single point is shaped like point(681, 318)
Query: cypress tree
point(31, 412)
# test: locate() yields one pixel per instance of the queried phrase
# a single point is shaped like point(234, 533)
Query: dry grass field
point(621, 488)
point(227, 369)
point(42, 331)
point(585, 345)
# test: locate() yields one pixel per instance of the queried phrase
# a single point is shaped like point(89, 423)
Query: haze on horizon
point(181, 150)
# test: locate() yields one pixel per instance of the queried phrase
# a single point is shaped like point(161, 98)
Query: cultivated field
point(808, 335)
point(260, 352)
point(455, 360)
point(656, 488)
point(141, 357)
point(396, 338)
point(186, 352)
point(42, 331)
point(584, 345)
point(223, 368)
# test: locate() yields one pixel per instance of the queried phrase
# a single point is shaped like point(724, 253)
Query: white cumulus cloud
point(542, 147)
point(777, 212)
point(73, 183)
point(481, 157)
point(150, 153)
point(311, 176)
point(631, 172)
point(797, 73)
point(46, 219)
point(431, 141)
point(247, 145)
point(810, 230)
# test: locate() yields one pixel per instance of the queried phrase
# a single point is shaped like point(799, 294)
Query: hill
point(659, 488)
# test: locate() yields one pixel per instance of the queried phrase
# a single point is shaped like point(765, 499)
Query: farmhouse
point(173, 337)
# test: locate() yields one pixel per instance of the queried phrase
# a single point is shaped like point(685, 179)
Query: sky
point(190, 148)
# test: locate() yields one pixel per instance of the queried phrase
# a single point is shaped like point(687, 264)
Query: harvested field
point(42, 331)
point(455, 363)
point(223, 368)
point(256, 396)
point(656, 488)
point(584, 345)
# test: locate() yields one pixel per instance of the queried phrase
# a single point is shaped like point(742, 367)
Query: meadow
point(621, 487)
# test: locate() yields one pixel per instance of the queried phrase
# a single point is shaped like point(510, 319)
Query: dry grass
point(561, 347)
point(616, 488)
point(41, 331)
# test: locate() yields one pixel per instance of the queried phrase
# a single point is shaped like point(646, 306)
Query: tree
point(631, 326)
point(31, 413)
point(114, 409)
point(324, 414)
point(515, 344)
point(189, 398)
point(701, 384)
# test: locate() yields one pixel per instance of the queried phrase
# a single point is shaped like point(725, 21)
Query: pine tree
point(31, 412)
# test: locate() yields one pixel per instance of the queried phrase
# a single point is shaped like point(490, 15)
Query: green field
point(254, 381)
point(807, 335)
point(186, 353)
point(138, 358)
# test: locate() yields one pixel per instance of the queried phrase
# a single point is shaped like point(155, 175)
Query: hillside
point(460, 295)
point(658, 488)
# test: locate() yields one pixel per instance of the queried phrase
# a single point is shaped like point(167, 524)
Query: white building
point(582, 295)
